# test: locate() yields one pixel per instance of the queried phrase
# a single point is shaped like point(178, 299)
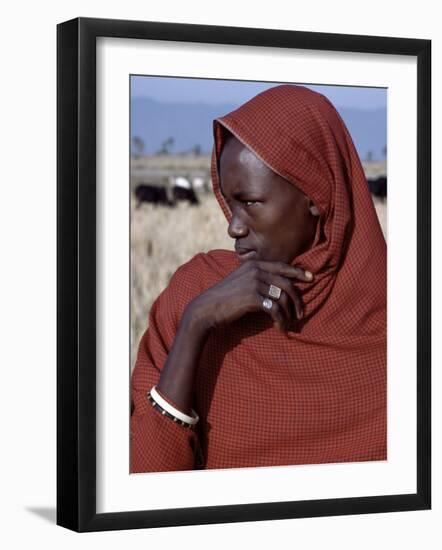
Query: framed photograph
point(243, 310)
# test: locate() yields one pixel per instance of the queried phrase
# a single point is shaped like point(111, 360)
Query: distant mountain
point(190, 125)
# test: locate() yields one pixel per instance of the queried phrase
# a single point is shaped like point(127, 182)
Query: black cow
point(153, 194)
point(183, 194)
point(378, 186)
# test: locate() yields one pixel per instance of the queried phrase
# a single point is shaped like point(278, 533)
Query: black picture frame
point(76, 274)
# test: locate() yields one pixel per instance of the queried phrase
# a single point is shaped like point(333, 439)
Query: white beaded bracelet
point(172, 410)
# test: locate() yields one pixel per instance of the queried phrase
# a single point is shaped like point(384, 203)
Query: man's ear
point(313, 210)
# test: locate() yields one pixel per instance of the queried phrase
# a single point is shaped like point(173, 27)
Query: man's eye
point(249, 203)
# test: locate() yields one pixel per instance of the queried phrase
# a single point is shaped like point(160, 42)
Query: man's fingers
point(280, 268)
point(276, 311)
point(287, 287)
point(284, 301)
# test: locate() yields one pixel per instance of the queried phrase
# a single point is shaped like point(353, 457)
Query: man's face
point(270, 216)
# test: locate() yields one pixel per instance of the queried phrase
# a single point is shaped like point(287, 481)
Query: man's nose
point(237, 228)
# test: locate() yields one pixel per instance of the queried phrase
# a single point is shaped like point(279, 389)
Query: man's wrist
point(195, 321)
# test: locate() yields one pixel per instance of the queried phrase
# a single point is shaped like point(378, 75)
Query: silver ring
point(267, 303)
point(274, 292)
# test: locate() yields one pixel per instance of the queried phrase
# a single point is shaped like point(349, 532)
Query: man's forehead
point(242, 186)
point(248, 164)
point(241, 153)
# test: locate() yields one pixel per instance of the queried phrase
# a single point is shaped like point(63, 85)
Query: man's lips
point(245, 253)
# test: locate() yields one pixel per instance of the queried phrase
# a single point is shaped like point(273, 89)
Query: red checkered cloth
point(313, 395)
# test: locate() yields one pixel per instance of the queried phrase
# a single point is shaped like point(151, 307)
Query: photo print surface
point(258, 234)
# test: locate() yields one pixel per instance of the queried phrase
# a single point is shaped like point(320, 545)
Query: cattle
point(153, 194)
point(378, 186)
point(182, 190)
point(200, 184)
point(181, 194)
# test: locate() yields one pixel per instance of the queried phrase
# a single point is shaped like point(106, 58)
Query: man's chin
point(246, 256)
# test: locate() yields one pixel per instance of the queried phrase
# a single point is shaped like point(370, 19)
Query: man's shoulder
point(205, 268)
point(218, 254)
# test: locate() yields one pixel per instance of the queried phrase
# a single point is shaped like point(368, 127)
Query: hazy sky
point(170, 89)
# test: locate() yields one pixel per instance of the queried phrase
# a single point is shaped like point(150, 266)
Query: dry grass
point(164, 238)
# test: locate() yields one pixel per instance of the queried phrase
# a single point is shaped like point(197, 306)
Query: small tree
point(196, 150)
point(138, 145)
point(166, 146)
